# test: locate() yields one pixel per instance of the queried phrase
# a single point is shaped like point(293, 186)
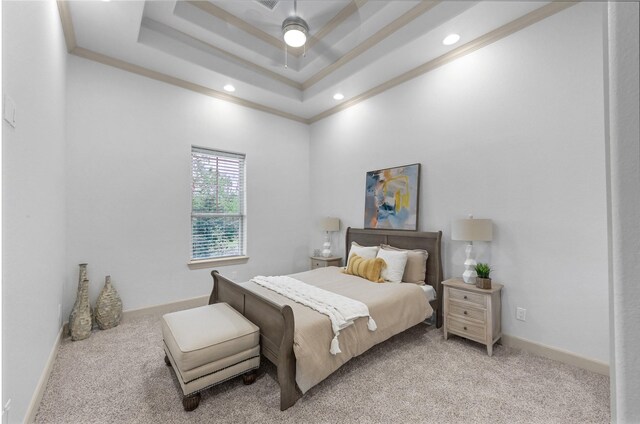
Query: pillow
point(416, 268)
point(366, 268)
point(396, 261)
point(365, 252)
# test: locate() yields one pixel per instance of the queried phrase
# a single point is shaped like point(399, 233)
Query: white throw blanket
point(341, 310)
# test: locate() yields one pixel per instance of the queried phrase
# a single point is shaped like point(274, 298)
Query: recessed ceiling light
point(451, 39)
point(338, 96)
point(230, 88)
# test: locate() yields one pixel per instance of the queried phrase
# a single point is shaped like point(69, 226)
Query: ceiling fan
point(295, 29)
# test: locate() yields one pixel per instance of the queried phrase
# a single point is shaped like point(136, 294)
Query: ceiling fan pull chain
point(285, 56)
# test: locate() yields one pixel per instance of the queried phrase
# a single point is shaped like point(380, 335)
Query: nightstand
point(472, 313)
point(322, 262)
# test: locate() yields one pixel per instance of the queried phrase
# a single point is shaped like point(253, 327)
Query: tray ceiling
point(357, 47)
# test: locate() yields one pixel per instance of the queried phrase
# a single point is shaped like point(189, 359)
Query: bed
point(277, 318)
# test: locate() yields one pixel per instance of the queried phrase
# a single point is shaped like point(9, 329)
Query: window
point(217, 204)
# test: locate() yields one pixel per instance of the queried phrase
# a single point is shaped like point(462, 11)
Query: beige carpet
point(119, 375)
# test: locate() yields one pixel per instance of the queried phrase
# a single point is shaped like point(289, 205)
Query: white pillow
point(416, 268)
point(396, 260)
point(365, 252)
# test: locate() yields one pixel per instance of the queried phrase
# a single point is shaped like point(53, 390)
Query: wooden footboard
point(276, 330)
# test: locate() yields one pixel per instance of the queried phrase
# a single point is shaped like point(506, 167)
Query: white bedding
point(429, 291)
point(341, 310)
point(395, 308)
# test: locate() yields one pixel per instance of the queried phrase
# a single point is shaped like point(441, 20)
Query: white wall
point(129, 180)
point(624, 148)
point(33, 196)
point(513, 132)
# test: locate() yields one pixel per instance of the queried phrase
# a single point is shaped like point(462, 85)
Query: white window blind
point(217, 204)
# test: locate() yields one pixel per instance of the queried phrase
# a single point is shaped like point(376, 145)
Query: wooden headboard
point(429, 241)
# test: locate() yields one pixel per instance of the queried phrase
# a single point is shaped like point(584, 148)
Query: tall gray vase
point(80, 321)
point(108, 307)
point(82, 275)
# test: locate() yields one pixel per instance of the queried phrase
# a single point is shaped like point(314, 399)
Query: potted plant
point(483, 281)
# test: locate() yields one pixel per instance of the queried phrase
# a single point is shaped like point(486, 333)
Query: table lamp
point(329, 225)
point(471, 230)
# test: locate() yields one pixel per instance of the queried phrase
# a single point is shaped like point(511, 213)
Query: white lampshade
point(472, 230)
point(330, 224)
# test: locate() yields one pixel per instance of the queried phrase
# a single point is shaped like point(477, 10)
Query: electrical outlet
point(521, 314)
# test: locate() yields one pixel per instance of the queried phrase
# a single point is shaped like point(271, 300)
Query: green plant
point(483, 270)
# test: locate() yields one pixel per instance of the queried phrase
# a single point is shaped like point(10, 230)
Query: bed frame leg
point(288, 393)
point(287, 363)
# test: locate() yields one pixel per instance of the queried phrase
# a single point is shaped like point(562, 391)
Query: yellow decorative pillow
point(366, 268)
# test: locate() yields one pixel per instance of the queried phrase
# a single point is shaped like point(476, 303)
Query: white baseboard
point(32, 409)
point(165, 308)
point(556, 354)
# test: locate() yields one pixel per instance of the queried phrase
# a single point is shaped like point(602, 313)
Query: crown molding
point(398, 23)
point(67, 25)
point(343, 15)
point(159, 76)
point(470, 47)
point(230, 18)
point(246, 63)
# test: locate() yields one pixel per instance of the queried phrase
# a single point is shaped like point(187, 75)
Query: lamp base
point(326, 249)
point(469, 276)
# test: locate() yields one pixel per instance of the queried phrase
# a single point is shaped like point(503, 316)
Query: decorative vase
point(483, 283)
point(80, 319)
point(108, 307)
point(81, 276)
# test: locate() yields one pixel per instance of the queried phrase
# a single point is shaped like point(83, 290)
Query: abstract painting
point(391, 199)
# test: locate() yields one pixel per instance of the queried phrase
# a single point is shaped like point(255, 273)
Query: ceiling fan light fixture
point(295, 30)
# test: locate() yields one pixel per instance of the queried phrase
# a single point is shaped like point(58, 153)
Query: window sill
point(212, 263)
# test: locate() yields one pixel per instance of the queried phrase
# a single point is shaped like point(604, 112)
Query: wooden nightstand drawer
point(472, 312)
point(467, 311)
point(466, 296)
point(466, 329)
point(322, 262)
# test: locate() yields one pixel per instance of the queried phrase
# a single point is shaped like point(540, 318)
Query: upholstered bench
point(209, 345)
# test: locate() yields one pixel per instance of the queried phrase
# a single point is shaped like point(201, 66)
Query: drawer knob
point(465, 312)
point(465, 297)
point(465, 328)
